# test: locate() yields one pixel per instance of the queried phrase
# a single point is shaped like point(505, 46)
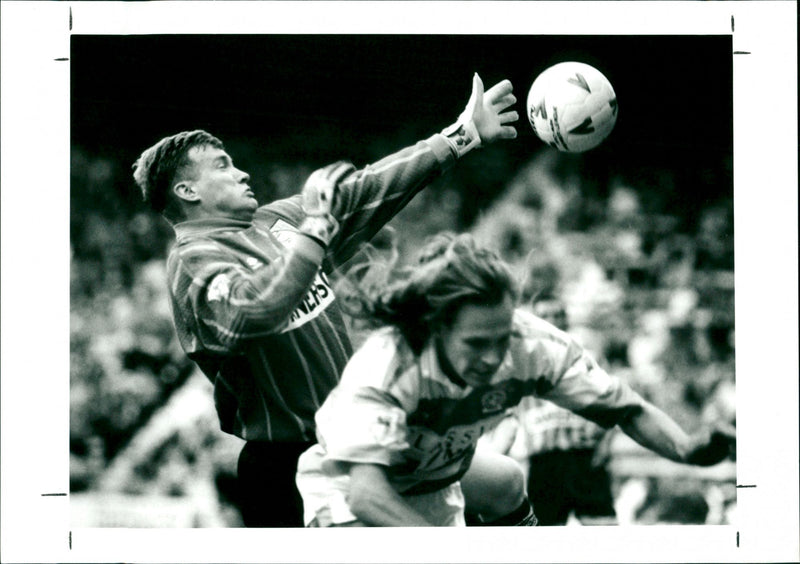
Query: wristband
point(462, 137)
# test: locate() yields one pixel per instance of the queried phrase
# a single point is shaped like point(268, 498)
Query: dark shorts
point(563, 481)
point(268, 495)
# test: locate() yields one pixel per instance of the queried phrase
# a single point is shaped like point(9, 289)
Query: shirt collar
point(199, 227)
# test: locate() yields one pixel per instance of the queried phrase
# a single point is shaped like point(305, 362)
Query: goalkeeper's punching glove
point(318, 196)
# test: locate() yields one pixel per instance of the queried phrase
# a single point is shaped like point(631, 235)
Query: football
point(572, 107)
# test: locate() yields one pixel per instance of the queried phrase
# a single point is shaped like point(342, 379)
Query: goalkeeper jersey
point(263, 323)
point(402, 411)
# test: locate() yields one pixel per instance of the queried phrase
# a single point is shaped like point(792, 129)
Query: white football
point(572, 107)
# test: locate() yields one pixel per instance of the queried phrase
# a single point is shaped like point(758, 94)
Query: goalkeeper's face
point(475, 344)
point(213, 187)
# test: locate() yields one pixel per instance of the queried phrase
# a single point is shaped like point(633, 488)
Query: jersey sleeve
point(363, 420)
point(220, 303)
point(370, 197)
point(567, 375)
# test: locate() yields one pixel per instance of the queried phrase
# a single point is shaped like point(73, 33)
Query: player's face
point(477, 341)
point(221, 188)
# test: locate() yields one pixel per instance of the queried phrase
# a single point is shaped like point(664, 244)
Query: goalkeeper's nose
point(242, 177)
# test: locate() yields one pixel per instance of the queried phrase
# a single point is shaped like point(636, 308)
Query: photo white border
point(35, 283)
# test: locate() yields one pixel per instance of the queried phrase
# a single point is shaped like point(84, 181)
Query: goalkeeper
point(249, 288)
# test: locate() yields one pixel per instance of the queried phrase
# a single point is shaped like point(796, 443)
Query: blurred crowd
point(651, 290)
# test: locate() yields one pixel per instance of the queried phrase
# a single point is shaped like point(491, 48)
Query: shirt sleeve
point(361, 425)
point(370, 197)
point(363, 420)
point(567, 375)
point(218, 303)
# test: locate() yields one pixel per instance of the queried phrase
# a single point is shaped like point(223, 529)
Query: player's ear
point(185, 191)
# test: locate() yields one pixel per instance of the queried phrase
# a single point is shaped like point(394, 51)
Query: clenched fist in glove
point(318, 195)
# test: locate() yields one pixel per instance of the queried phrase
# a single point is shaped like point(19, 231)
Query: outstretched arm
point(375, 502)
point(657, 431)
point(367, 199)
point(570, 377)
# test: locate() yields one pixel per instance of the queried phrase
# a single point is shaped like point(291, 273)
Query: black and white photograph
point(369, 275)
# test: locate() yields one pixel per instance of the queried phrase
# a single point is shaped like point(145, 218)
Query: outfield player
point(563, 455)
point(250, 293)
point(398, 435)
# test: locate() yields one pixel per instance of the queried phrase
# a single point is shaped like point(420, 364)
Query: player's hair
point(448, 272)
point(157, 167)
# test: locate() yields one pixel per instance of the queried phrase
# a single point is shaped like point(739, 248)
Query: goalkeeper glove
point(485, 119)
point(318, 196)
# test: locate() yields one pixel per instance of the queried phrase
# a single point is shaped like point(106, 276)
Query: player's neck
point(448, 369)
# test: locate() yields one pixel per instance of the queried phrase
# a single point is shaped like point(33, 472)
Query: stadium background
point(636, 236)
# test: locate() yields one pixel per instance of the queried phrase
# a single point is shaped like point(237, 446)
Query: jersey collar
point(199, 227)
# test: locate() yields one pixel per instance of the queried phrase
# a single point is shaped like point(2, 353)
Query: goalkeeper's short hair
point(157, 167)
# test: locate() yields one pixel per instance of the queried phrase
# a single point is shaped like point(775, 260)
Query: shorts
point(267, 493)
point(325, 498)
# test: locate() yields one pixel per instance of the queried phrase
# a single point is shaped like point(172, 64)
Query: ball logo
point(578, 80)
point(584, 128)
point(539, 110)
point(493, 401)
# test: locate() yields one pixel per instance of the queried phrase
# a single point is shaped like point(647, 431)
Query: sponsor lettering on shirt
point(441, 455)
point(318, 298)
point(320, 294)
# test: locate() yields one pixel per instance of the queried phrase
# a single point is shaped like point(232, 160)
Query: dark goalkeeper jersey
point(262, 322)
